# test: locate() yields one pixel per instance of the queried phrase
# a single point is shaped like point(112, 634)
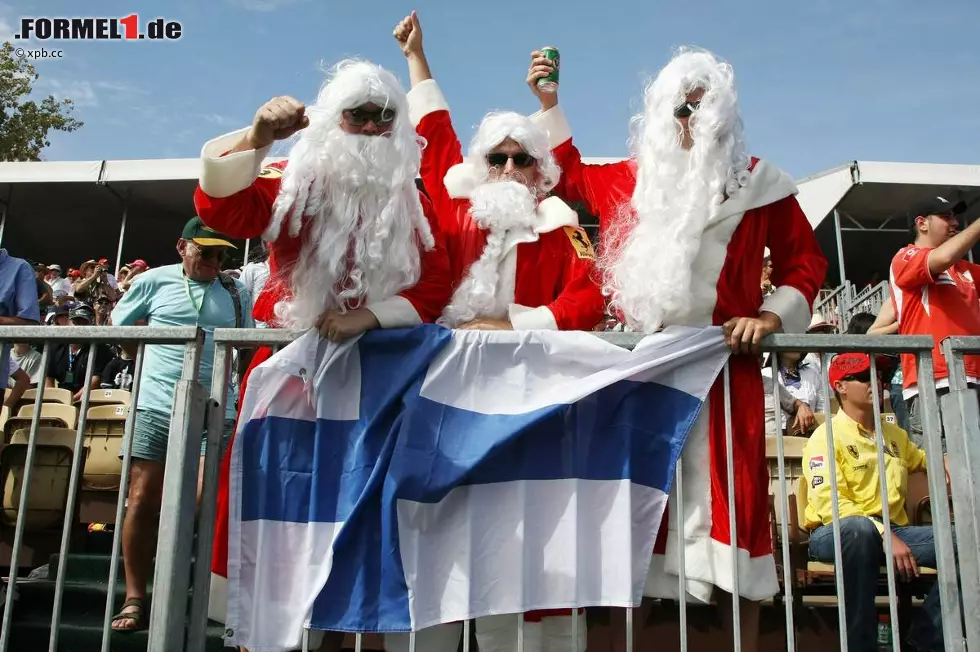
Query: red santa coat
point(725, 285)
point(235, 197)
point(546, 276)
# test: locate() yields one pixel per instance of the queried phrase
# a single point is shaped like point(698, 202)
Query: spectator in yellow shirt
point(855, 461)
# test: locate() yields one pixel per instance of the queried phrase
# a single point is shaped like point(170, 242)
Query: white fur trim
point(767, 184)
point(223, 176)
point(425, 98)
point(553, 121)
point(523, 318)
point(553, 214)
point(461, 180)
point(791, 306)
point(707, 563)
point(395, 312)
point(218, 599)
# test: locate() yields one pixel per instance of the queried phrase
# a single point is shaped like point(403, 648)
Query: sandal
point(136, 615)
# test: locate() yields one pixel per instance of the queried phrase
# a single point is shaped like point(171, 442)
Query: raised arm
point(235, 193)
point(602, 188)
point(430, 114)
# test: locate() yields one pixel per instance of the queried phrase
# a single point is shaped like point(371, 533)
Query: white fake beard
point(499, 207)
point(366, 224)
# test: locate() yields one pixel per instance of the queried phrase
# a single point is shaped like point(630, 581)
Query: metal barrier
point(176, 529)
point(839, 305)
point(172, 578)
point(961, 418)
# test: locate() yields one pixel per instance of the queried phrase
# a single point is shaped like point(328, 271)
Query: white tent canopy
point(861, 211)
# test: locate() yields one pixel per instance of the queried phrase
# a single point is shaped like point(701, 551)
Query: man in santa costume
point(351, 243)
point(685, 222)
point(518, 261)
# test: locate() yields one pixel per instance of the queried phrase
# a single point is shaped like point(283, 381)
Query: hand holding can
point(549, 83)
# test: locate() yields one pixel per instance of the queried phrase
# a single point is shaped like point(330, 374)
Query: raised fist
point(408, 33)
point(277, 119)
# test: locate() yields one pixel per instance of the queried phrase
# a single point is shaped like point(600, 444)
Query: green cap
point(197, 231)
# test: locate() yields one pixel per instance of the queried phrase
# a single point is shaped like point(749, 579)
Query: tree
point(24, 123)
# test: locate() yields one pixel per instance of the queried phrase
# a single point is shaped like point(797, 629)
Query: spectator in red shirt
point(935, 294)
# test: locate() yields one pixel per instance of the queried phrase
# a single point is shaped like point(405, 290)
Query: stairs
point(83, 608)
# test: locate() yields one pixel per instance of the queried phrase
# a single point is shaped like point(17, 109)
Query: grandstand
point(131, 209)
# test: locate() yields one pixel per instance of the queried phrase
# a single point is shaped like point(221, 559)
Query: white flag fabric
point(415, 477)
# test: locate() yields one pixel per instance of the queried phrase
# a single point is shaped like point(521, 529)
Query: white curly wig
point(647, 265)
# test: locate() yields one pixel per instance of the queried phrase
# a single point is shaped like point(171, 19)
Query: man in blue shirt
point(18, 307)
point(186, 294)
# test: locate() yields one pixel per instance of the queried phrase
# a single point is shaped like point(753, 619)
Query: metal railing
point(169, 629)
point(961, 420)
point(174, 523)
point(839, 305)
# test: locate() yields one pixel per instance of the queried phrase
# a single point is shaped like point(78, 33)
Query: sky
point(820, 83)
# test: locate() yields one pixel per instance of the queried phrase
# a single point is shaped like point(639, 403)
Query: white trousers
point(550, 634)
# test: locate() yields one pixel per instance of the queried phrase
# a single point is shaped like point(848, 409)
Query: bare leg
point(748, 620)
point(139, 531)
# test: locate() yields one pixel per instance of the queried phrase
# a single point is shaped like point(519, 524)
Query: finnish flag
point(415, 477)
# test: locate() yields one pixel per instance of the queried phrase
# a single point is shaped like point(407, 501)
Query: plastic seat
point(104, 430)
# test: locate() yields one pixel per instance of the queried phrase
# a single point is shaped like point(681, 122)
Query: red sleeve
point(442, 151)
point(580, 306)
point(246, 213)
point(602, 188)
point(910, 268)
point(432, 292)
point(798, 266)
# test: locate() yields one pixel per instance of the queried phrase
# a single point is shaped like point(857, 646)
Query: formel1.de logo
point(98, 29)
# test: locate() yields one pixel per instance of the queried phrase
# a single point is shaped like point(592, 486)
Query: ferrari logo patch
point(852, 449)
point(271, 172)
point(580, 242)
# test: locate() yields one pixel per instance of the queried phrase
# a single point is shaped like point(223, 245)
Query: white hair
point(647, 265)
point(352, 199)
point(497, 127)
point(497, 208)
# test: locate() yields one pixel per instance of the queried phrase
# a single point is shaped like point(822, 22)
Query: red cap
point(852, 364)
point(139, 262)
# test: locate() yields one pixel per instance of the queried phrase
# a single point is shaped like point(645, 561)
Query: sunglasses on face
point(521, 159)
point(687, 109)
point(361, 116)
point(206, 253)
point(863, 377)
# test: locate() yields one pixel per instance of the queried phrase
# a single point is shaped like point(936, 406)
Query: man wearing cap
point(69, 361)
point(94, 281)
point(855, 462)
point(935, 293)
point(190, 293)
point(59, 286)
point(133, 270)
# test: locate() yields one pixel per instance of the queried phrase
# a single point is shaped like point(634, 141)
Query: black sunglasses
point(217, 253)
point(521, 159)
point(863, 377)
point(360, 116)
point(687, 109)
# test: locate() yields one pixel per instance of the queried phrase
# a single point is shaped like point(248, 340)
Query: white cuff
point(554, 123)
point(790, 305)
point(523, 318)
point(395, 312)
point(223, 176)
point(423, 99)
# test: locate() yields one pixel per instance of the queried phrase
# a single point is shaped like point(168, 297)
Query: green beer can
point(549, 84)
